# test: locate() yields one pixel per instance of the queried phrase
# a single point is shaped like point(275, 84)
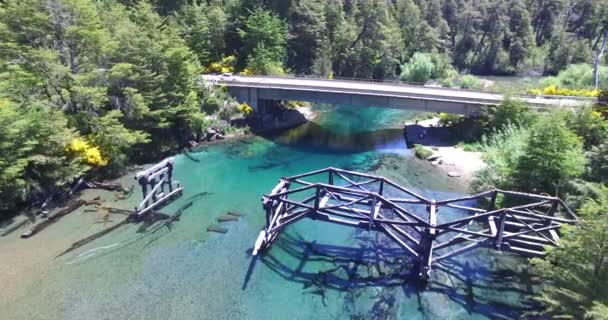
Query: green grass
point(422, 152)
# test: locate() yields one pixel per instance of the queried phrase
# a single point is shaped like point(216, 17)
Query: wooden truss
point(157, 186)
point(427, 230)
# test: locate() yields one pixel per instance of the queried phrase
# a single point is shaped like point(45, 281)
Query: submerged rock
point(454, 174)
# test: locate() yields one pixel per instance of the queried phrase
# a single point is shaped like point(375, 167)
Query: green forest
point(89, 87)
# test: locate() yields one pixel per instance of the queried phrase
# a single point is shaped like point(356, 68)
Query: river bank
point(453, 161)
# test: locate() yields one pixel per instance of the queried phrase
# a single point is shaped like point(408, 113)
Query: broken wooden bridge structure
point(427, 230)
point(157, 186)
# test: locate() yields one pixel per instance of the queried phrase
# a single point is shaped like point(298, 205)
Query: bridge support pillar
point(246, 95)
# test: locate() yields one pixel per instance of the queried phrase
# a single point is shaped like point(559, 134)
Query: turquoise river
point(181, 271)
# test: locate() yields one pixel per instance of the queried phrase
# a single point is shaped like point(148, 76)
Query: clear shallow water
point(314, 270)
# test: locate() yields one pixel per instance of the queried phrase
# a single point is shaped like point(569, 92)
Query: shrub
point(223, 66)
point(576, 76)
point(470, 82)
point(553, 155)
point(509, 111)
point(422, 152)
point(502, 149)
point(245, 108)
point(211, 104)
point(420, 68)
point(589, 125)
point(554, 90)
point(448, 119)
point(88, 153)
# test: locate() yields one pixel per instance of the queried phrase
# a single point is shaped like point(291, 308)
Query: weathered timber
point(227, 218)
point(236, 214)
point(109, 186)
point(93, 237)
point(154, 181)
point(130, 219)
point(523, 229)
point(217, 229)
point(70, 207)
point(22, 221)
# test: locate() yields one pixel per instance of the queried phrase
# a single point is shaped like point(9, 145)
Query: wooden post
point(331, 177)
point(501, 230)
point(381, 191)
point(170, 176)
point(492, 204)
point(372, 212)
point(144, 187)
point(553, 209)
point(427, 243)
point(317, 199)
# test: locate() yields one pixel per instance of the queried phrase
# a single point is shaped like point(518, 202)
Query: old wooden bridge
point(427, 230)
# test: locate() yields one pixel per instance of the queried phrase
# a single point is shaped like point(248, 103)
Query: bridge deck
point(387, 90)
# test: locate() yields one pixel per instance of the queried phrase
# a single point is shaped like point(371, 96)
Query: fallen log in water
point(227, 218)
point(110, 186)
point(236, 214)
point(14, 226)
point(70, 207)
point(88, 239)
point(216, 228)
point(117, 210)
point(157, 216)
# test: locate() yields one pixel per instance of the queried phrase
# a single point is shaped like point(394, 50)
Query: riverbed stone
point(454, 174)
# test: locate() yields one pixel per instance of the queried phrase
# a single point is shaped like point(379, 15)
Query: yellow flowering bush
point(226, 65)
point(553, 90)
point(89, 154)
point(245, 108)
point(247, 72)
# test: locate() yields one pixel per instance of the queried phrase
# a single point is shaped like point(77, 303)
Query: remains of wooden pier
point(416, 223)
point(157, 186)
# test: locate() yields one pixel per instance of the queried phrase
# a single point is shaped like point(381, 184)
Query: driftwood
point(110, 186)
point(236, 214)
point(88, 239)
point(216, 228)
point(70, 207)
point(189, 156)
point(227, 218)
point(130, 219)
point(14, 226)
point(117, 210)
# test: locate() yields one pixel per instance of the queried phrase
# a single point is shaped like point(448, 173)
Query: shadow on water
point(378, 264)
point(321, 138)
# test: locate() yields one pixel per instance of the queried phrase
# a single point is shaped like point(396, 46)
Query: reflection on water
point(344, 129)
point(314, 271)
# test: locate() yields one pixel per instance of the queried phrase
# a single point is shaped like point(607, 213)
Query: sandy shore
point(455, 162)
point(25, 263)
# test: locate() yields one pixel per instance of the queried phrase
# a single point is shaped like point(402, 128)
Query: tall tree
point(552, 156)
point(264, 37)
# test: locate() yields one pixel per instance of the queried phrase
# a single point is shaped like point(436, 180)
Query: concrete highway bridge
point(253, 89)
